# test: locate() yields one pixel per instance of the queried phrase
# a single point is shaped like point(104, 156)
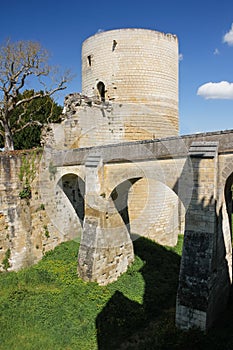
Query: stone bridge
point(110, 195)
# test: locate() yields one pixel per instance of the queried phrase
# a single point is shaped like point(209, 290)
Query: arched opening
point(150, 209)
point(101, 90)
point(120, 199)
point(74, 188)
point(156, 212)
point(225, 222)
point(228, 199)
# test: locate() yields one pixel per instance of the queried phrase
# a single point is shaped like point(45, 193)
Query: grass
point(48, 307)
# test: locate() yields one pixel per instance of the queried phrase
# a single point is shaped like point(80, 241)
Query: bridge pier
point(106, 249)
point(205, 280)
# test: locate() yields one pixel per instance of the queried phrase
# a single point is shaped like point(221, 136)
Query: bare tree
point(21, 62)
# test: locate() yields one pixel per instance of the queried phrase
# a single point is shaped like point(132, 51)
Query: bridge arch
point(225, 223)
point(149, 208)
point(74, 188)
point(172, 173)
point(228, 199)
point(225, 207)
point(65, 202)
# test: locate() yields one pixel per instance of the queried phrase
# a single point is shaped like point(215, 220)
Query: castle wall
point(26, 231)
point(114, 123)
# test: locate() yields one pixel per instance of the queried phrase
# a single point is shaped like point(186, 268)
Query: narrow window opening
point(89, 60)
point(101, 90)
point(114, 44)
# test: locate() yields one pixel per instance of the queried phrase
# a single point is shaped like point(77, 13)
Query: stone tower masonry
point(129, 89)
point(137, 70)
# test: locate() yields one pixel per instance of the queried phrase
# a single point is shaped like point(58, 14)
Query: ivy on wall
point(27, 174)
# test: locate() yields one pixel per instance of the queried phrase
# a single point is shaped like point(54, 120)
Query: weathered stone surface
point(205, 274)
point(25, 228)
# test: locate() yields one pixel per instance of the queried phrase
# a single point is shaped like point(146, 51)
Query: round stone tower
point(137, 71)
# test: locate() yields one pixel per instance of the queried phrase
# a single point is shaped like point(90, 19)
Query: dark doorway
point(101, 90)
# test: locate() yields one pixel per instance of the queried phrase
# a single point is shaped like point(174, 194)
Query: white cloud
point(228, 37)
point(181, 57)
point(216, 52)
point(221, 90)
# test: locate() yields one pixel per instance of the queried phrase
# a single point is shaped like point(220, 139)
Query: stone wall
point(26, 231)
point(88, 125)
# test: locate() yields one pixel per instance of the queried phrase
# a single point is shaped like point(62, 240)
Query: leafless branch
point(33, 122)
point(18, 61)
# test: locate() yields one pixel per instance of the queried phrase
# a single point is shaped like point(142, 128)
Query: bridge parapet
point(170, 147)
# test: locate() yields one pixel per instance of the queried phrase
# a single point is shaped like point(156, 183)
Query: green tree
point(21, 62)
point(28, 119)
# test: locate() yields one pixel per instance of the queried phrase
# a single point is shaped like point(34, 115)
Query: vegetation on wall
point(27, 173)
point(52, 171)
point(6, 262)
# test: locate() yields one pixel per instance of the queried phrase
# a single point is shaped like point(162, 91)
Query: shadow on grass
point(122, 318)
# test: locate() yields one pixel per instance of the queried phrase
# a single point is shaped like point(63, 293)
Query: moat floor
point(48, 307)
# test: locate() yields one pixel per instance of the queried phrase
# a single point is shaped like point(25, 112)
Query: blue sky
point(205, 102)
